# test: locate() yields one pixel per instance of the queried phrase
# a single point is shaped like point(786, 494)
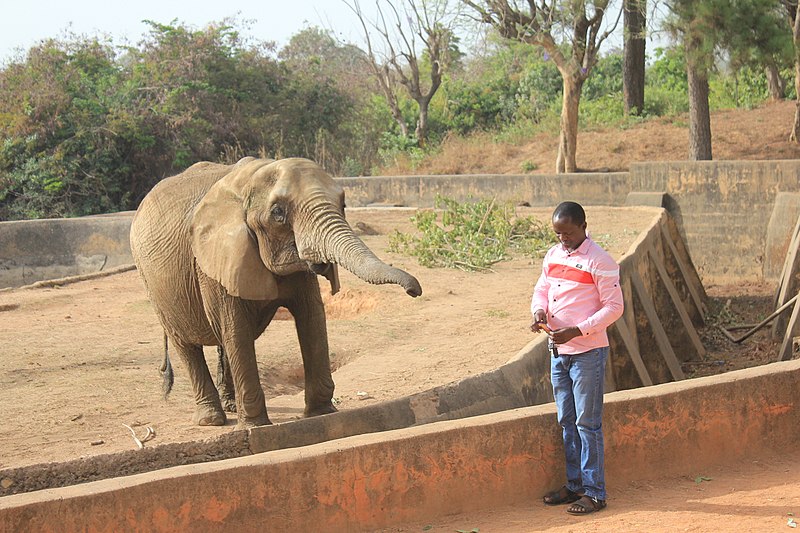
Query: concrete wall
point(637, 358)
point(724, 210)
point(371, 481)
point(37, 250)
point(723, 207)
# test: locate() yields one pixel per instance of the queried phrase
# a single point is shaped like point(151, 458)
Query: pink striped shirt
point(579, 288)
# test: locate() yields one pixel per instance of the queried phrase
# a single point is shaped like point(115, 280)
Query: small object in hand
point(544, 327)
point(552, 346)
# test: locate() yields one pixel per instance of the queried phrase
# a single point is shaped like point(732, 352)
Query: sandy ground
point(80, 362)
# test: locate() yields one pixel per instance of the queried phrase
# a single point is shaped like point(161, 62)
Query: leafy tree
point(705, 27)
point(58, 157)
point(315, 58)
point(542, 24)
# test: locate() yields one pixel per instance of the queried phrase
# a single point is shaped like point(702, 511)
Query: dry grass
point(757, 134)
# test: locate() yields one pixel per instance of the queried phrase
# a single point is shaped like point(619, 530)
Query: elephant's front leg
point(312, 332)
point(251, 406)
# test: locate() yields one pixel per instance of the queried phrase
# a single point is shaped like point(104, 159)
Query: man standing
point(575, 299)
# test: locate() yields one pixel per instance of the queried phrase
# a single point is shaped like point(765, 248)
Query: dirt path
point(756, 496)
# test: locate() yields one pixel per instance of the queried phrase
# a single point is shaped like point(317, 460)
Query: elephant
point(221, 247)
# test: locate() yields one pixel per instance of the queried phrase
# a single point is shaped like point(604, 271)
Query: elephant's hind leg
point(225, 381)
point(208, 409)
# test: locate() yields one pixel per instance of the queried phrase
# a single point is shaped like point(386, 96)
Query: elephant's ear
point(224, 246)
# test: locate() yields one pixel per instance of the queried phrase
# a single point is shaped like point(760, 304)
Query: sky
point(23, 23)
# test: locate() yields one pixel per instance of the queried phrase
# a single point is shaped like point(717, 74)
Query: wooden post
point(658, 329)
point(789, 283)
point(693, 291)
point(785, 352)
point(676, 301)
point(633, 351)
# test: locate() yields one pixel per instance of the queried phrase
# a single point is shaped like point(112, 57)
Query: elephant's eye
point(278, 213)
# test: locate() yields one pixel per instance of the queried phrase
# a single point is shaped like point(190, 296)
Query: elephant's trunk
point(339, 244)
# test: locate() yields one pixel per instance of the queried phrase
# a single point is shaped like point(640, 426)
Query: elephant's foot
point(209, 415)
point(247, 423)
point(322, 409)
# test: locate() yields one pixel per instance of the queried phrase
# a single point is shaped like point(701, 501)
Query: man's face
point(571, 235)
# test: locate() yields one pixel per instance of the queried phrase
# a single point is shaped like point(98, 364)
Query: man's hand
point(562, 335)
point(539, 322)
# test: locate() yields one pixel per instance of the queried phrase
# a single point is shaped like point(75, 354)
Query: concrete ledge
point(35, 250)
point(371, 481)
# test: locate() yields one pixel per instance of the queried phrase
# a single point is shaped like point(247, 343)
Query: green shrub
point(471, 236)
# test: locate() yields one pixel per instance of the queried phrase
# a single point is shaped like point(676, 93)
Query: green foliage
point(88, 128)
point(668, 71)
point(605, 78)
point(471, 235)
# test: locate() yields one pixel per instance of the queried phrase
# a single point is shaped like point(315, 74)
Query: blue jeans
point(578, 391)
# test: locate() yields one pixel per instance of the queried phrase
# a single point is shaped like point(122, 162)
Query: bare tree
point(570, 32)
point(414, 40)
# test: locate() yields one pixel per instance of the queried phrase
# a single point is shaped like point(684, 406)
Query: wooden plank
point(633, 352)
point(789, 287)
point(658, 329)
point(785, 352)
point(787, 265)
point(677, 302)
point(693, 292)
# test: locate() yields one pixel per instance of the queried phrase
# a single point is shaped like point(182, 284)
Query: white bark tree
point(571, 33)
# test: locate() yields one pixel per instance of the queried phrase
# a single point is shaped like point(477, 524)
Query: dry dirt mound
point(737, 134)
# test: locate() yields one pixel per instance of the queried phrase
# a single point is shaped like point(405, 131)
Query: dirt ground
point(749, 497)
point(81, 360)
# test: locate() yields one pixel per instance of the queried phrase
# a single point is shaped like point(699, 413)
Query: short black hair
point(571, 210)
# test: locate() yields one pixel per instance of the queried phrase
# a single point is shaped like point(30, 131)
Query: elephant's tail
point(166, 370)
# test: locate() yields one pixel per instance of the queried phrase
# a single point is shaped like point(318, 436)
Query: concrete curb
point(370, 481)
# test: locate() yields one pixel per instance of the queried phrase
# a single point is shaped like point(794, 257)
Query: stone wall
point(724, 210)
point(36, 250)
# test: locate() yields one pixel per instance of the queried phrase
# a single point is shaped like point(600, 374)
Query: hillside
point(760, 133)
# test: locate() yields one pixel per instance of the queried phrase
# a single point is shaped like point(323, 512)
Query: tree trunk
point(422, 124)
point(633, 65)
point(796, 126)
point(795, 17)
point(398, 118)
point(775, 84)
point(699, 116)
point(568, 140)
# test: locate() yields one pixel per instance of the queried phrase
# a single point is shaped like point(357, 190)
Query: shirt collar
point(582, 249)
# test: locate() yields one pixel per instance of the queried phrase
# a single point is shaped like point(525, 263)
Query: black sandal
point(586, 505)
point(562, 495)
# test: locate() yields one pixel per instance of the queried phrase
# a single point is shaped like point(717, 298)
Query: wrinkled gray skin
point(221, 248)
